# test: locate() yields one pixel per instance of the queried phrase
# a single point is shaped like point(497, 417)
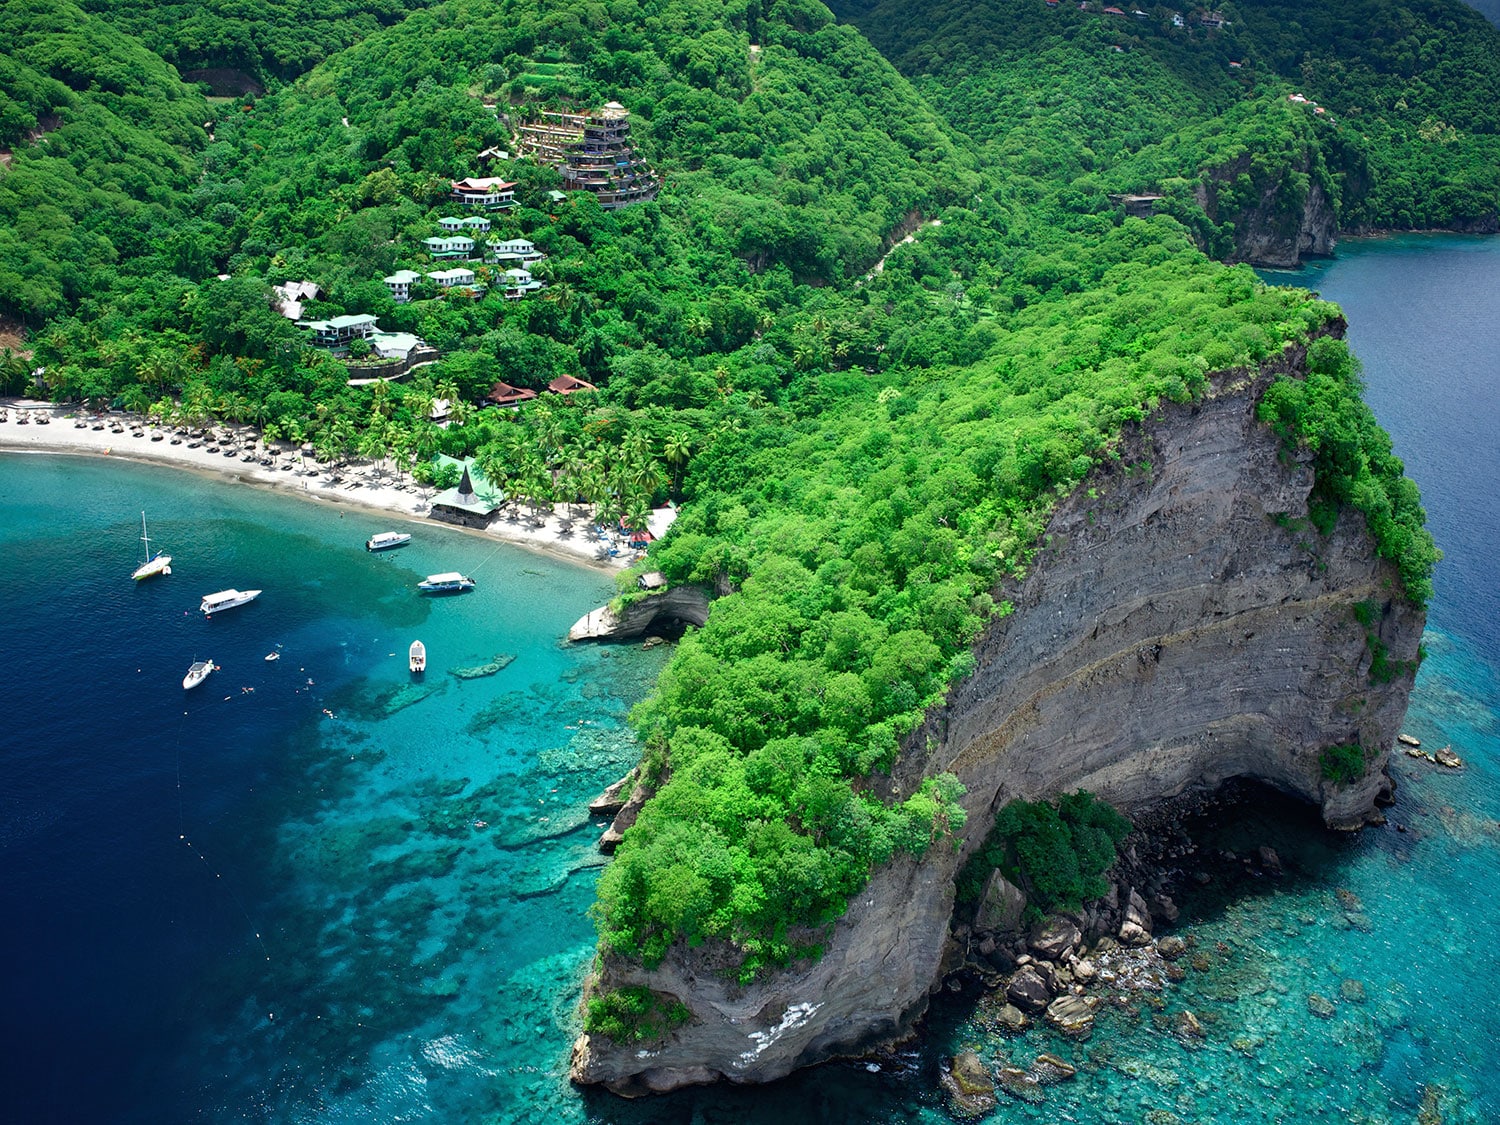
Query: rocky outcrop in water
point(1182, 626)
point(682, 604)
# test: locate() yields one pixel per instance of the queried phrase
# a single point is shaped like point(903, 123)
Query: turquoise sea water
point(234, 906)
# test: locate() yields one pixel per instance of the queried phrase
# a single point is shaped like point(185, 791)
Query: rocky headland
point(1182, 626)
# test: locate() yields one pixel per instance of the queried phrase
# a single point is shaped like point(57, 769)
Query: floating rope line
point(182, 835)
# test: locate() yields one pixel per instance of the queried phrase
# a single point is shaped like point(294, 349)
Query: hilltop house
point(503, 394)
point(400, 283)
point(337, 333)
point(291, 295)
point(450, 246)
point(470, 223)
point(489, 193)
point(395, 345)
point(570, 384)
point(513, 250)
point(518, 283)
point(458, 277)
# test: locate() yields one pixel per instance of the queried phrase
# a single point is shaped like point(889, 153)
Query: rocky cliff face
point(1272, 230)
point(1183, 626)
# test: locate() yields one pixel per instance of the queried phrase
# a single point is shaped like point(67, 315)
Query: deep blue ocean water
point(235, 906)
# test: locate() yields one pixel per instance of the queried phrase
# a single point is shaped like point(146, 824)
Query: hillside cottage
point(514, 250)
point(458, 277)
point(337, 333)
point(488, 193)
point(400, 283)
point(450, 246)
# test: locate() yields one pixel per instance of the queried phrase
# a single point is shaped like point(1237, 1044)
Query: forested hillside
point(1392, 132)
point(98, 144)
point(861, 454)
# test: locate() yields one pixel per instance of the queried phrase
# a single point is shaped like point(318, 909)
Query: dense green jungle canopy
point(865, 446)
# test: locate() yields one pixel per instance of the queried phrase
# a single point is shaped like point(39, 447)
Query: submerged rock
point(970, 1089)
point(478, 671)
point(1073, 1016)
point(1049, 1070)
point(1321, 1006)
point(1187, 1028)
point(1022, 1084)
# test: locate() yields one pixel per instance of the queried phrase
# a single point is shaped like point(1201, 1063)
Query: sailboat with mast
point(154, 564)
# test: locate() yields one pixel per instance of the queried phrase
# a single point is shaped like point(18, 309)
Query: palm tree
point(678, 449)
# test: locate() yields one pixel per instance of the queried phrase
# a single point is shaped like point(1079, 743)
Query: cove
point(257, 911)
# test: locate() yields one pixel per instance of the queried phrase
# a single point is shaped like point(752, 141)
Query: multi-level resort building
point(593, 153)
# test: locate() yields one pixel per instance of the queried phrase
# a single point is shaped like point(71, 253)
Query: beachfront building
point(400, 283)
point(593, 152)
point(517, 283)
point(456, 278)
point(518, 250)
point(337, 333)
point(449, 246)
point(473, 503)
point(487, 193)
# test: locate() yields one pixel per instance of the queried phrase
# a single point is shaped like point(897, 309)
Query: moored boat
point(197, 673)
point(226, 599)
point(417, 657)
point(154, 565)
point(451, 582)
point(385, 540)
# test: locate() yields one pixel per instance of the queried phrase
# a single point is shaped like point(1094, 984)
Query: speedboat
point(417, 657)
point(449, 583)
point(226, 599)
point(197, 673)
point(384, 540)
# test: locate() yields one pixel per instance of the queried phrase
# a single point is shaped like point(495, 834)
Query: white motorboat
point(385, 540)
point(450, 583)
point(417, 657)
point(226, 599)
point(197, 673)
point(154, 565)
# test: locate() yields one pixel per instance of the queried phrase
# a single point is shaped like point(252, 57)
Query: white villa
point(292, 295)
point(394, 345)
point(449, 279)
point(488, 193)
point(400, 283)
point(518, 283)
point(337, 333)
point(471, 223)
point(455, 246)
point(513, 250)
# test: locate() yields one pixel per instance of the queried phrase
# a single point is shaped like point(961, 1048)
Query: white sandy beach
point(360, 485)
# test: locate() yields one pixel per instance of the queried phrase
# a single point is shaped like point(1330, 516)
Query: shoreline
point(362, 487)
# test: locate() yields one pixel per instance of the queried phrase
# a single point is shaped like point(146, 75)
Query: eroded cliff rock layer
point(1183, 625)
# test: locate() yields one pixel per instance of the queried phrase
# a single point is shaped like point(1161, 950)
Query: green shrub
point(1342, 764)
point(1057, 853)
point(634, 1015)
